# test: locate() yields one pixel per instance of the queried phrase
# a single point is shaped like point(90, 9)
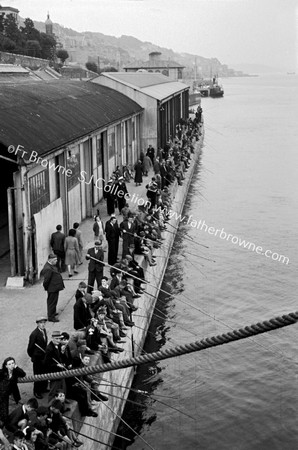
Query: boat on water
point(216, 90)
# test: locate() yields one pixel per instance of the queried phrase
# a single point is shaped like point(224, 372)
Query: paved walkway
point(20, 307)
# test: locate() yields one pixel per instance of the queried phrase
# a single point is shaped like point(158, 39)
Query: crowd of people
point(102, 314)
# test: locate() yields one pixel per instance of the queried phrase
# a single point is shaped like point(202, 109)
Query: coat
point(37, 337)
point(81, 315)
point(57, 242)
point(9, 386)
point(71, 251)
point(95, 266)
point(53, 281)
point(138, 173)
point(147, 164)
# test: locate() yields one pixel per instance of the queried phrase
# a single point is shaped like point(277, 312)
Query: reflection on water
point(242, 395)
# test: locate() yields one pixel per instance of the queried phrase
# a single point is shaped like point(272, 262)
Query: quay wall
point(109, 413)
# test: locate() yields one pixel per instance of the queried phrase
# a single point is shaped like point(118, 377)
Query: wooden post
point(11, 232)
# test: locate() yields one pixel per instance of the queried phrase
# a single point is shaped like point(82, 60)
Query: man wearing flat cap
point(37, 344)
point(95, 256)
point(53, 362)
point(53, 284)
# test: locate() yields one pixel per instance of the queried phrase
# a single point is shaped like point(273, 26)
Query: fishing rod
point(144, 406)
point(188, 239)
point(98, 428)
point(137, 391)
point(122, 420)
point(93, 393)
point(186, 303)
point(96, 440)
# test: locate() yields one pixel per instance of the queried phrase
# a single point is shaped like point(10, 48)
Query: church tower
point(49, 25)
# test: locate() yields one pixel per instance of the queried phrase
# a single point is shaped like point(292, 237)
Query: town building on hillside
point(6, 10)
point(60, 142)
point(157, 65)
point(164, 100)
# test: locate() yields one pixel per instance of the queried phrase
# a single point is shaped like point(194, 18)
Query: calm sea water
point(244, 395)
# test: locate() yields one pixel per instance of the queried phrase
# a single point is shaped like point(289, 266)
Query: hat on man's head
point(120, 178)
point(56, 334)
point(41, 319)
point(52, 256)
point(113, 216)
point(97, 242)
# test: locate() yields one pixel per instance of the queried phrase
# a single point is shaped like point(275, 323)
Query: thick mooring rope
point(214, 341)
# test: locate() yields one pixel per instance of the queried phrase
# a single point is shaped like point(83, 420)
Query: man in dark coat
point(121, 191)
point(95, 256)
point(151, 153)
point(38, 341)
point(57, 244)
point(53, 284)
point(53, 362)
point(112, 234)
point(81, 312)
point(128, 230)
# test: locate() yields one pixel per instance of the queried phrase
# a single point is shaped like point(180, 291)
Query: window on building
point(98, 151)
point(165, 72)
point(73, 163)
point(39, 191)
point(111, 142)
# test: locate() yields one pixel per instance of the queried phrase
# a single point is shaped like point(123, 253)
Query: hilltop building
point(157, 65)
point(6, 10)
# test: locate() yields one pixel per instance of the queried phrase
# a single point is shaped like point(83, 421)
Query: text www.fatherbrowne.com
point(222, 234)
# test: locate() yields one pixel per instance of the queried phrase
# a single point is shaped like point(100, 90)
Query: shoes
point(153, 264)
point(116, 349)
point(80, 263)
point(129, 323)
point(121, 333)
point(91, 413)
point(123, 328)
point(136, 296)
point(37, 395)
point(56, 314)
point(120, 341)
point(102, 397)
point(75, 271)
point(77, 443)
point(133, 308)
point(69, 275)
point(53, 319)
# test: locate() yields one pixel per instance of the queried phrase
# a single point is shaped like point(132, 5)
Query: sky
point(234, 31)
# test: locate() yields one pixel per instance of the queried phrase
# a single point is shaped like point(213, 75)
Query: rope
point(214, 341)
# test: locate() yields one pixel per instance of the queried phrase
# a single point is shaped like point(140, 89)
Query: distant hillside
point(110, 50)
point(255, 68)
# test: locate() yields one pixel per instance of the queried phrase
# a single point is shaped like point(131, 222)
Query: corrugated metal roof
point(138, 79)
point(163, 91)
point(155, 85)
point(44, 116)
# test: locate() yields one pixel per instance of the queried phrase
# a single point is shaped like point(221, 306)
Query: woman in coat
point(9, 375)
point(98, 228)
point(147, 164)
point(138, 173)
point(71, 247)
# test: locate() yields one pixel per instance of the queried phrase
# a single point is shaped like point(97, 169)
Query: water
point(243, 395)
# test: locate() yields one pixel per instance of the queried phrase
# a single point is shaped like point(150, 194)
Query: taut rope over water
point(214, 341)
